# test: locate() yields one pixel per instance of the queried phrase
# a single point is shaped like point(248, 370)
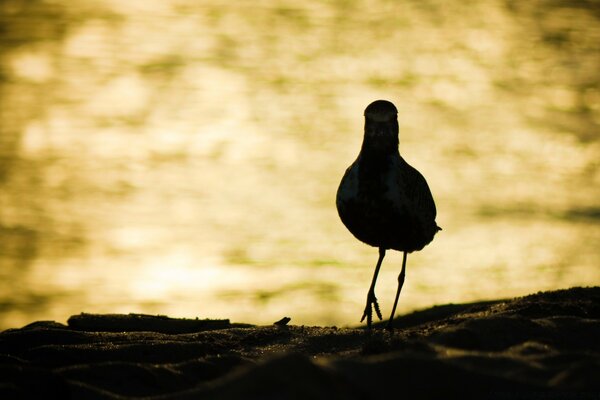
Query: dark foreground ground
point(543, 346)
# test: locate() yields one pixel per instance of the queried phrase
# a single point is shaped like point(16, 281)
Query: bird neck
point(380, 139)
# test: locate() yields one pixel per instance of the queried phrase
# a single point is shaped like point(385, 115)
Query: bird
point(383, 201)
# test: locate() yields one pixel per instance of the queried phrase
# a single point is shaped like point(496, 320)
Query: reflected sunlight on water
point(182, 157)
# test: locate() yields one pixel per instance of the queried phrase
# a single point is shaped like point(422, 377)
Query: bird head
point(381, 126)
point(381, 111)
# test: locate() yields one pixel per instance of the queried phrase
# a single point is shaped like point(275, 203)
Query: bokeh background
point(181, 157)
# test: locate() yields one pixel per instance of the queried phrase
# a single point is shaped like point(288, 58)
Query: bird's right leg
point(371, 299)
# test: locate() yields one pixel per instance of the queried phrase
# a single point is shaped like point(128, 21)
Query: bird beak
point(378, 129)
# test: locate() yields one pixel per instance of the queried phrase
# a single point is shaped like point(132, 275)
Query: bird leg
point(371, 299)
point(389, 325)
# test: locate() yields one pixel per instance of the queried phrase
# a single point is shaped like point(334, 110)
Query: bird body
point(382, 200)
point(387, 205)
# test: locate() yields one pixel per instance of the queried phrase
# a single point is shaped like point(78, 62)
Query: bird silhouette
point(383, 201)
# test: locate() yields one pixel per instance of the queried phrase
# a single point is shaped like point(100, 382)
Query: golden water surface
point(181, 157)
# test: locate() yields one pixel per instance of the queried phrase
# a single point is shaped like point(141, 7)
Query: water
point(182, 157)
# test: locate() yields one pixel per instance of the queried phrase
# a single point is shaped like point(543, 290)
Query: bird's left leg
point(371, 299)
point(400, 283)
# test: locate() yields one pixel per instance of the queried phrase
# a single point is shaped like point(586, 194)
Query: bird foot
point(368, 313)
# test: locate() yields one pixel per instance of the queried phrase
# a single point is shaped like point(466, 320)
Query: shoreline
point(544, 344)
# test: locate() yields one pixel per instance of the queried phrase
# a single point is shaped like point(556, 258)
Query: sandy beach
point(540, 346)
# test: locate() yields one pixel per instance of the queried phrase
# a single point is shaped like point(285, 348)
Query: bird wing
point(418, 192)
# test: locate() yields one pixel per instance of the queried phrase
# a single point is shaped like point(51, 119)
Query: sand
point(542, 346)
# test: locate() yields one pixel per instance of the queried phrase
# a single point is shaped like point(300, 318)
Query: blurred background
point(181, 157)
